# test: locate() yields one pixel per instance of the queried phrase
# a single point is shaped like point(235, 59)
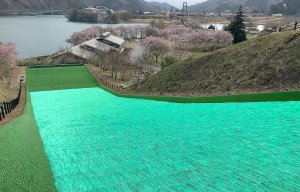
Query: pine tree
point(237, 27)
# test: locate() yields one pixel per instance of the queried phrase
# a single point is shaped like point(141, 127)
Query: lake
point(40, 35)
point(43, 35)
point(108, 143)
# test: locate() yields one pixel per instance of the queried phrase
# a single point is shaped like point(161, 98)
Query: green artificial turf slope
point(55, 78)
point(23, 163)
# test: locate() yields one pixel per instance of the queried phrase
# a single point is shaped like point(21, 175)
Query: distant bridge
point(32, 12)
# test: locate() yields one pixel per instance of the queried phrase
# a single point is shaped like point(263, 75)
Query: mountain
point(42, 4)
point(288, 7)
point(222, 5)
point(69, 4)
point(127, 5)
point(161, 6)
point(262, 64)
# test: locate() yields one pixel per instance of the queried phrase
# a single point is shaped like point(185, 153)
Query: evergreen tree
point(237, 27)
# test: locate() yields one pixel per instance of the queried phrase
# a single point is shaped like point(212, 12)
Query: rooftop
point(105, 43)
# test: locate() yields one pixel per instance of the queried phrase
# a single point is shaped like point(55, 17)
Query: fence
point(291, 27)
point(104, 82)
point(7, 107)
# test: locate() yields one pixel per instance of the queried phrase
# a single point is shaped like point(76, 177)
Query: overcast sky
point(178, 3)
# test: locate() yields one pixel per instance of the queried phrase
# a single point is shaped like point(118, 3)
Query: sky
point(178, 3)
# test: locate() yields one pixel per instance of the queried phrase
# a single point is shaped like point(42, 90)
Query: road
point(136, 57)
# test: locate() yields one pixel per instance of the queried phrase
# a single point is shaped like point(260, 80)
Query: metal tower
point(184, 12)
point(172, 13)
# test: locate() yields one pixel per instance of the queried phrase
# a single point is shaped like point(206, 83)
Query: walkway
point(136, 57)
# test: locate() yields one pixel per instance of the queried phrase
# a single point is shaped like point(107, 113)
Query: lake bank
point(42, 35)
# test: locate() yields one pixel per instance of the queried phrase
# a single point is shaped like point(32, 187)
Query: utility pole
point(172, 13)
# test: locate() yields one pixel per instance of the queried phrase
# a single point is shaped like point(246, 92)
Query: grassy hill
point(265, 64)
point(161, 6)
point(222, 5)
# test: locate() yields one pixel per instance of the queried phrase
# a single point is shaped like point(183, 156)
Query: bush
point(212, 27)
point(125, 16)
point(79, 15)
point(167, 61)
point(82, 16)
point(111, 19)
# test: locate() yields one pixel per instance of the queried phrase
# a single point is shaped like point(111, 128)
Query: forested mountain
point(69, 4)
point(161, 6)
point(222, 5)
point(289, 7)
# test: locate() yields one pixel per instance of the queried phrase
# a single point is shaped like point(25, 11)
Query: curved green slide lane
point(23, 163)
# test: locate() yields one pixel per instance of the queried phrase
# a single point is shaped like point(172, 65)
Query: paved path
point(136, 57)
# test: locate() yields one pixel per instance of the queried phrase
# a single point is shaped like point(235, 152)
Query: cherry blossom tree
point(85, 35)
point(184, 38)
point(156, 46)
point(8, 56)
point(126, 32)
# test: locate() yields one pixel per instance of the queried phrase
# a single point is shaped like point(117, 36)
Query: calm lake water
point(40, 35)
point(109, 143)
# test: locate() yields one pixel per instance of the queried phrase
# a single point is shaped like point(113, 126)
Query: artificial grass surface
point(55, 78)
point(124, 144)
point(23, 164)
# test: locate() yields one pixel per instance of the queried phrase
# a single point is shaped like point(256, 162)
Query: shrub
point(167, 61)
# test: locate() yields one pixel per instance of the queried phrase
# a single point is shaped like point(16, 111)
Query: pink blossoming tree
point(156, 46)
point(8, 56)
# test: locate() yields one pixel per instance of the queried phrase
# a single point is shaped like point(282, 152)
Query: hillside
point(128, 5)
point(161, 6)
point(222, 5)
point(69, 4)
point(265, 64)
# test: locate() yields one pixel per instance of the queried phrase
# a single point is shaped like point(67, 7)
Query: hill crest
point(223, 5)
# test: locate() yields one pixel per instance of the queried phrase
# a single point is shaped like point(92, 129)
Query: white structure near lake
point(99, 10)
point(94, 47)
